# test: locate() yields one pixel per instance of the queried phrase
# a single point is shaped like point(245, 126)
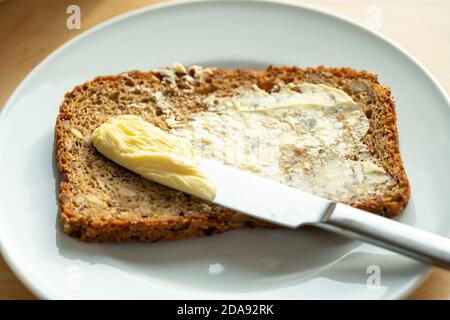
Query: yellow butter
point(154, 154)
point(302, 135)
point(371, 168)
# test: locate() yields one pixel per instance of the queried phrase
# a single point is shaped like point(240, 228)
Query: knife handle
point(390, 234)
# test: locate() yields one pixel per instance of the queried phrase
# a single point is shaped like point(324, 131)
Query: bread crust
point(102, 222)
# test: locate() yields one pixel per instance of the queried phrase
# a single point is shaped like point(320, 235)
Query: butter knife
point(280, 204)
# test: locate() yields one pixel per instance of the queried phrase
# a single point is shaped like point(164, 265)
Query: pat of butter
point(154, 154)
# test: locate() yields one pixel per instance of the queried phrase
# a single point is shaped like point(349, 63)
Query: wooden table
point(30, 30)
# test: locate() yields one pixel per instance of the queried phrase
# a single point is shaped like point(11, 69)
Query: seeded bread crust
point(103, 202)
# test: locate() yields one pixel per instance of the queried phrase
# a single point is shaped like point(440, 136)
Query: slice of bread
point(101, 201)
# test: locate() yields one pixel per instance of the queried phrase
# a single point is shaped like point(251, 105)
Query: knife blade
point(280, 204)
point(263, 198)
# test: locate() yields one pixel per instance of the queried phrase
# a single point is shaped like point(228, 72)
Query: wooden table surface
point(30, 30)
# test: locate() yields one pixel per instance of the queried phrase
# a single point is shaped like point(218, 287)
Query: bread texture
point(99, 201)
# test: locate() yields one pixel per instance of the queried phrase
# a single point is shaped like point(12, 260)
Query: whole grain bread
point(103, 202)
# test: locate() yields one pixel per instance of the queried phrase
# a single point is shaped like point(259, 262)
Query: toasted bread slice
point(103, 202)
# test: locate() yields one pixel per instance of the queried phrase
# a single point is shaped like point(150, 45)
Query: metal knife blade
point(262, 198)
point(277, 203)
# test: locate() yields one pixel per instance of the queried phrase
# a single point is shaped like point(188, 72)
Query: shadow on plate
point(242, 260)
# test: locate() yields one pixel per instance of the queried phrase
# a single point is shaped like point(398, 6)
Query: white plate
point(307, 263)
